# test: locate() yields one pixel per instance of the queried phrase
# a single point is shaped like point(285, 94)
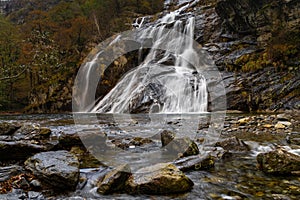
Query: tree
point(10, 68)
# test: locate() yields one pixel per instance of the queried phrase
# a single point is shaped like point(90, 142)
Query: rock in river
point(59, 169)
point(178, 146)
point(18, 150)
point(279, 161)
point(196, 162)
point(162, 178)
point(20, 142)
point(115, 180)
point(233, 144)
point(8, 128)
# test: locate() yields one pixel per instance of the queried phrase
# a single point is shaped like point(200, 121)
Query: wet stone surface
point(227, 168)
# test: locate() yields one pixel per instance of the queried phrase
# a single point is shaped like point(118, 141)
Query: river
point(233, 177)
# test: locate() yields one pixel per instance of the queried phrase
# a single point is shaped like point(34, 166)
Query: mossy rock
point(279, 162)
point(115, 180)
point(162, 178)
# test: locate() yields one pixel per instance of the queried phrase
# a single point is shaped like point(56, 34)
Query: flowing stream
point(236, 177)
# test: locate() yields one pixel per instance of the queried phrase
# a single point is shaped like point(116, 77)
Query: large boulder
point(59, 169)
point(279, 162)
point(162, 178)
point(115, 180)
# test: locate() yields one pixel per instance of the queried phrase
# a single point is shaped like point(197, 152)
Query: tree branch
point(13, 77)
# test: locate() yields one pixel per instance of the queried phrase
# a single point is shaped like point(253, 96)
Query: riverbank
point(35, 152)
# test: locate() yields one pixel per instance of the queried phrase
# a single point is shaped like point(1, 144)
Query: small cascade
point(138, 22)
point(164, 82)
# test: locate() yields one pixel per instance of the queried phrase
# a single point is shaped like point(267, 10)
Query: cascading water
point(166, 82)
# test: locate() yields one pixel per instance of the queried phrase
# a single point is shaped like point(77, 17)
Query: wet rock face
point(279, 162)
point(20, 142)
point(249, 16)
point(266, 89)
point(115, 180)
point(231, 29)
point(161, 178)
point(58, 169)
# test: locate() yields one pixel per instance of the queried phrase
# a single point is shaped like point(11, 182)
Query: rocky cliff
point(262, 62)
point(255, 45)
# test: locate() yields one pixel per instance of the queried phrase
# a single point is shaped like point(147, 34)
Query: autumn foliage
point(43, 42)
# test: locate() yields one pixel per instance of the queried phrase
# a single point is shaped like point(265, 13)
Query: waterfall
point(164, 82)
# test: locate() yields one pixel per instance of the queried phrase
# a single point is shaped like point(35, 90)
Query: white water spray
point(166, 82)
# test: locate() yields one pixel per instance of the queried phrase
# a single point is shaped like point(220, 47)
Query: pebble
point(267, 125)
point(279, 126)
point(35, 183)
point(244, 121)
point(286, 123)
point(35, 195)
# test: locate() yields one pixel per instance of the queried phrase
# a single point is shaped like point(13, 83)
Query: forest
point(43, 43)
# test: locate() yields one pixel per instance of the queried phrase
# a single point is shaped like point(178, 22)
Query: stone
point(162, 178)
point(115, 180)
point(244, 121)
point(267, 125)
point(182, 147)
point(285, 123)
point(35, 183)
point(19, 150)
point(85, 158)
point(178, 146)
point(280, 197)
point(278, 162)
point(139, 141)
point(45, 132)
point(283, 117)
point(167, 137)
point(59, 169)
point(131, 142)
point(233, 144)
point(279, 126)
point(293, 138)
point(9, 171)
point(32, 132)
point(196, 162)
point(8, 128)
point(67, 141)
point(35, 196)
point(24, 141)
